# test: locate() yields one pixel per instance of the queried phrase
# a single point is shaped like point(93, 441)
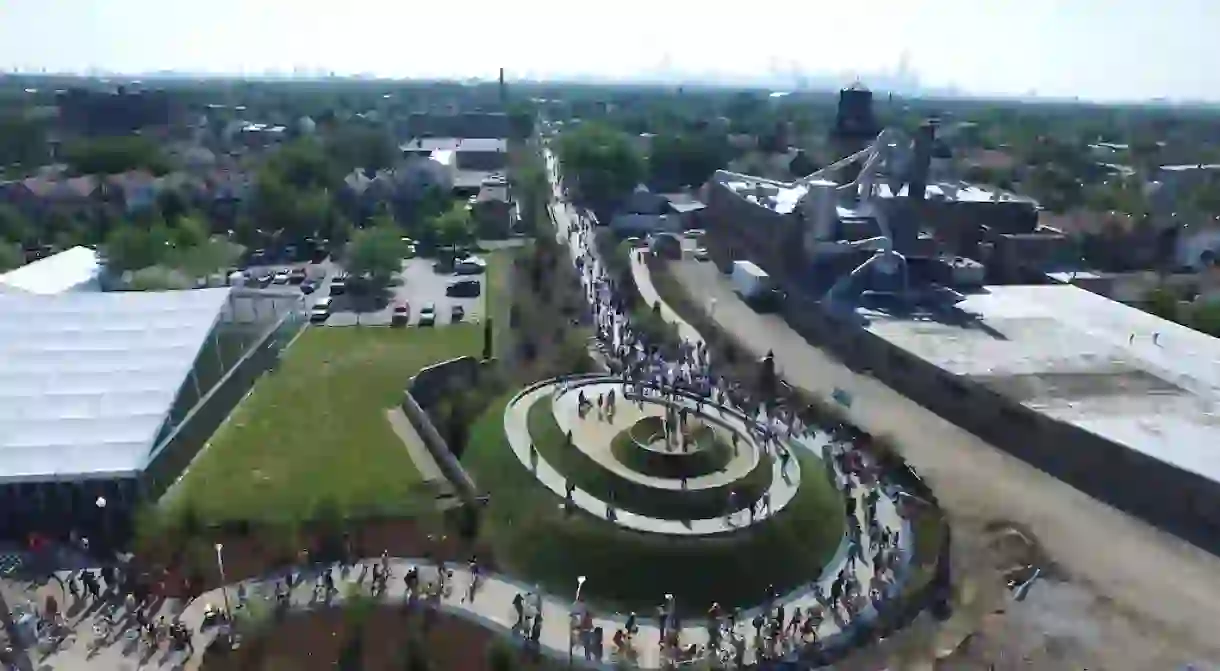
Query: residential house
point(137, 189)
point(36, 196)
point(644, 212)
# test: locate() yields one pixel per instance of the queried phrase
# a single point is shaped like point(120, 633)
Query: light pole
point(101, 507)
point(224, 590)
point(573, 620)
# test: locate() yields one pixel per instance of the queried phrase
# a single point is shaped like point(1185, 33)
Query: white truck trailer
point(749, 281)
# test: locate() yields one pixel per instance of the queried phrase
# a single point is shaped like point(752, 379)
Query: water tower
point(855, 124)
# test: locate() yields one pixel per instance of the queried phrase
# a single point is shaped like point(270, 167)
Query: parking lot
point(418, 285)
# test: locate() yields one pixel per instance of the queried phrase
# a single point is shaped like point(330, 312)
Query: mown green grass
point(315, 429)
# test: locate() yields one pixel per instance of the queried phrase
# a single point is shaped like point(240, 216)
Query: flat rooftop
point(1072, 355)
point(457, 144)
point(784, 197)
point(88, 379)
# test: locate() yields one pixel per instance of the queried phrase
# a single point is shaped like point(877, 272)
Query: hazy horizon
point(1117, 50)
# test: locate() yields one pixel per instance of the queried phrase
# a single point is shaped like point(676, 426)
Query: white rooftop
point(87, 379)
point(74, 269)
point(1119, 373)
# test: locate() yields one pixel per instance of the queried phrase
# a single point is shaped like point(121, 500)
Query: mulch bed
point(314, 642)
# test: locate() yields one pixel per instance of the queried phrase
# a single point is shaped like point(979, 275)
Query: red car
point(401, 315)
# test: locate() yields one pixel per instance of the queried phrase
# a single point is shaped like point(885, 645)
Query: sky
point(1094, 49)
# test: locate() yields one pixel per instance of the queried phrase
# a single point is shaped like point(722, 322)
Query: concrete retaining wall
point(439, 449)
point(423, 392)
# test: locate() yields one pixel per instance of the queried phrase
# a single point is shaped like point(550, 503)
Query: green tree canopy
point(131, 247)
point(110, 155)
point(353, 146)
point(14, 227)
point(454, 228)
point(686, 159)
point(601, 162)
point(304, 164)
point(10, 256)
point(22, 141)
point(376, 251)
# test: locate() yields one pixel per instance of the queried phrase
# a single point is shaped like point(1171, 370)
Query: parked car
point(320, 311)
point(464, 289)
point(297, 276)
point(456, 314)
point(308, 287)
point(701, 254)
point(264, 280)
point(471, 265)
point(427, 316)
point(281, 277)
point(338, 286)
point(401, 315)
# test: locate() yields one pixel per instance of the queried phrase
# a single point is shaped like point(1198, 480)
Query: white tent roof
point(70, 270)
point(87, 379)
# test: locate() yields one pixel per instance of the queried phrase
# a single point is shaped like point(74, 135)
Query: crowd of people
point(689, 371)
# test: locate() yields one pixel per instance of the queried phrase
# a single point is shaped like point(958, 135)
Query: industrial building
point(105, 397)
point(945, 291)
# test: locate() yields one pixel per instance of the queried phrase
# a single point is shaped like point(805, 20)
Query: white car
point(427, 316)
point(281, 277)
point(701, 254)
point(320, 311)
point(471, 265)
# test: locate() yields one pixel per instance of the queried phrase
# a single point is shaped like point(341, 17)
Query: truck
point(749, 281)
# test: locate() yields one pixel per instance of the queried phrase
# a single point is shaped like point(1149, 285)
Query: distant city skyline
point(1091, 49)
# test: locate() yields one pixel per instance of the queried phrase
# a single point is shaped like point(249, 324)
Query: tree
point(601, 162)
point(10, 256)
point(376, 252)
point(687, 159)
point(454, 228)
point(191, 231)
point(14, 227)
point(352, 147)
point(304, 164)
point(133, 248)
point(111, 155)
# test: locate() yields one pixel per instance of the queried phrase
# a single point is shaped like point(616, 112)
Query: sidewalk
point(643, 283)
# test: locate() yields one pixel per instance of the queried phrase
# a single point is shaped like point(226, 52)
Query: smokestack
point(917, 183)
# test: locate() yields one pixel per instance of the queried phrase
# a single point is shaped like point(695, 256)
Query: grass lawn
point(537, 542)
point(315, 429)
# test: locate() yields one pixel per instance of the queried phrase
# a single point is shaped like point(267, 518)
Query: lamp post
point(100, 502)
point(224, 590)
point(573, 622)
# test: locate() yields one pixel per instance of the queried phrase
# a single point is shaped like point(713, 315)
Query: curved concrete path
point(593, 437)
point(516, 428)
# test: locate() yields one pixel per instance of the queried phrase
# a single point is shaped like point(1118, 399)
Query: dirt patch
point(317, 641)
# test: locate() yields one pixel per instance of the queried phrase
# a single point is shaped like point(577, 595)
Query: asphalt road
point(416, 285)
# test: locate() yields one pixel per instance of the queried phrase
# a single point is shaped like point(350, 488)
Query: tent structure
point(96, 387)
